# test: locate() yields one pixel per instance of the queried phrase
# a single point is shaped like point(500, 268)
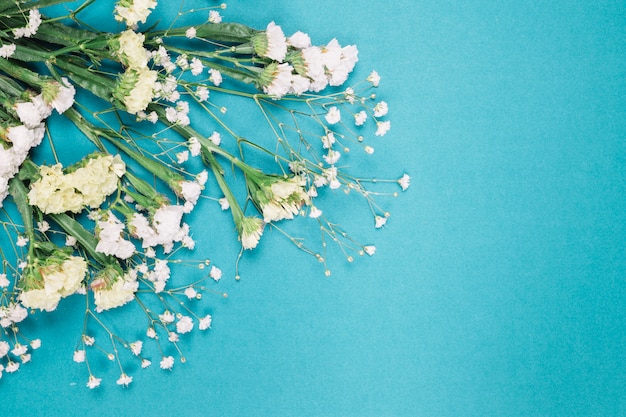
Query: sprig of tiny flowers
point(101, 229)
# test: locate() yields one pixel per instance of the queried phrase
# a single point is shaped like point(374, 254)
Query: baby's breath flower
point(380, 221)
point(167, 362)
point(191, 32)
point(271, 43)
point(333, 116)
point(79, 356)
point(7, 50)
point(184, 325)
point(382, 128)
point(374, 78)
point(93, 382)
point(404, 182)
point(124, 380)
point(215, 17)
point(215, 273)
point(205, 322)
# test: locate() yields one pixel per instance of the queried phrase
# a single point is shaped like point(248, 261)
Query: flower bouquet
point(114, 224)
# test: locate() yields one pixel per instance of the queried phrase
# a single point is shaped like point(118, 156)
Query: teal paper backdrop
point(498, 285)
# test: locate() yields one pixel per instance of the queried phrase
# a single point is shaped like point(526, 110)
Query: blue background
point(498, 286)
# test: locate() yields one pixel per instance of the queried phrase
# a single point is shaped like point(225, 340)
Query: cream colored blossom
point(131, 49)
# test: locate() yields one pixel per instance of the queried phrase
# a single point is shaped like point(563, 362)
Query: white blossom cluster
point(286, 197)
point(299, 66)
point(164, 228)
point(133, 12)
point(22, 137)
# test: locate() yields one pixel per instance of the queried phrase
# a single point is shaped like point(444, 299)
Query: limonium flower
point(250, 231)
point(112, 289)
point(89, 185)
point(282, 198)
point(135, 88)
point(276, 79)
point(129, 47)
point(46, 281)
point(271, 43)
point(134, 11)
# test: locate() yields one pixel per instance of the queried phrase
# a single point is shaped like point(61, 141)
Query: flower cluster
point(88, 184)
point(45, 281)
point(113, 226)
point(22, 127)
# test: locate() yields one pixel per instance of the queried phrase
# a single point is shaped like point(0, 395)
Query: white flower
point(136, 347)
point(142, 92)
point(4, 348)
point(190, 191)
point(370, 250)
point(276, 47)
point(369, 150)
point(299, 84)
point(34, 20)
point(205, 322)
point(89, 340)
point(167, 362)
point(145, 363)
point(19, 349)
point(4, 281)
point(40, 299)
point(35, 344)
point(360, 118)
point(191, 293)
point(43, 226)
point(196, 66)
point(184, 325)
point(134, 11)
point(12, 367)
point(215, 77)
point(79, 356)
point(281, 79)
point(333, 116)
point(216, 138)
point(299, 40)
point(21, 241)
point(121, 292)
point(315, 212)
point(404, 182)
point(380, 221)
point(173, 337)
point(167, 317)
point(215, 273)
point(6, 51)
point(328, 140)
point(182, 157)
point(131, 49)
point(151, 333)
point(202, 93)
point(381, 109)
point(215, 17)
point(190, 33)
point(224, 204)
point(124, 380)
point(374, 78)
point(194, 146)
point(332, 157)
point(93, 382)
point(382, 128)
